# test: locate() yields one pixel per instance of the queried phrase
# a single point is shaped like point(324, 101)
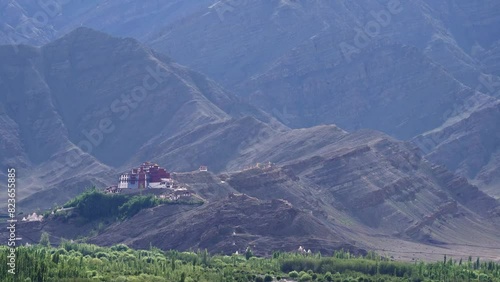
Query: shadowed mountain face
point(362, 93)
point(109, 89)
point(445, 31)
point(232, 41)
point(87, 102)
point(394, 66)
point(356, 64)
point(35, 139)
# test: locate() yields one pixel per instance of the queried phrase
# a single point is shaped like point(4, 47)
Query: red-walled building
point(148, 175)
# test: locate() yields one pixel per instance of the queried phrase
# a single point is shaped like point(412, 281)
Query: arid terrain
point(362, 125)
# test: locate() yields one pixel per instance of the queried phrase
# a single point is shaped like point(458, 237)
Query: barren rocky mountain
point(227, 226)
point(198, 33)
point(445, 31)
point(116, 100)
point(35, 140)
point(367, 125)
point(360, 93)
point(302, 61)
point(216, 145)
point(468, 143)
point(81, 106)
point(39, 22)
point(402, 203)
point(331, 189)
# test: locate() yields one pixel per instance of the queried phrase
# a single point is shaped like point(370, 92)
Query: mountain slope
point(371, 184)
point(304, 61)
point(444, 31)
point(235, 43)
point(394, 202)
point(228, 225)
point(38, 23)
point(468, 143)
point(215, 145)
point(35, 140)
point(81, 106)
point(362, 93)
point(105, 86)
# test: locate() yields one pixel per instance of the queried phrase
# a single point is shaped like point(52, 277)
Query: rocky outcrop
point(468, 144)
point(446, 209)
point(228, 225)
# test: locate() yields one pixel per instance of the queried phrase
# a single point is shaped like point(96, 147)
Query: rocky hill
point(228, 225)
point(361, 191)
point(283, 208)
point(468, 143)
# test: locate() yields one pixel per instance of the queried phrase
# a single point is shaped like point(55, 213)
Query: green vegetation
point(85, 262)
point(94, 204)
point(44, 239)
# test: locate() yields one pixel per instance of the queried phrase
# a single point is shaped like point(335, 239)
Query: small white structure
point(177, 194)
point(203, 168)
point(33, 217)
point(163, 184)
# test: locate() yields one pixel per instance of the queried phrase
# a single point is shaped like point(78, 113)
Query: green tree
point(183, 277)
point(55, 258)
point(44, 239)
point(248, 253)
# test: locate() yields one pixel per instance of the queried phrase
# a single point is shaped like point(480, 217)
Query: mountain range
point(380, 117)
